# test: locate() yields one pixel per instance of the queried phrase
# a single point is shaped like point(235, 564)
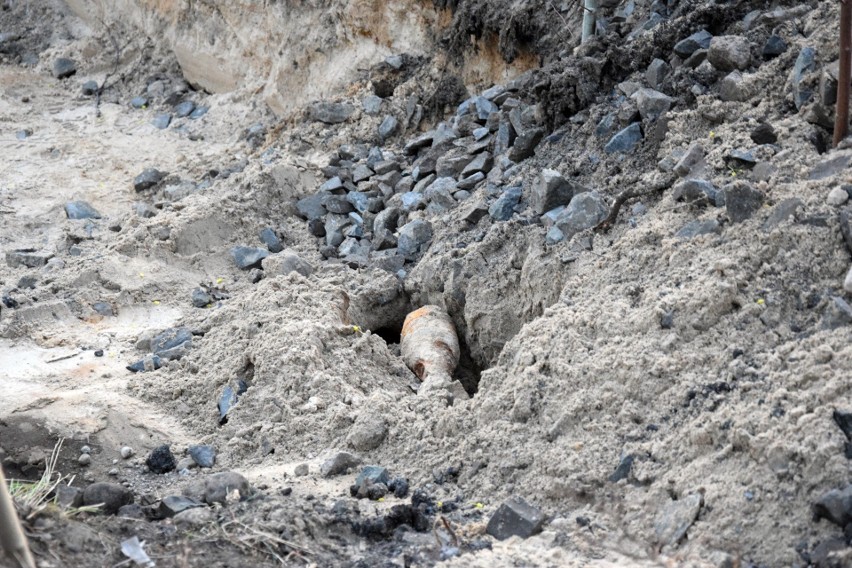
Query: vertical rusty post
point(841, 118)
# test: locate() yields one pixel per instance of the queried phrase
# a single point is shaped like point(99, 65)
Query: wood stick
point(608, 223)
point(841, 116)
point(12, 538)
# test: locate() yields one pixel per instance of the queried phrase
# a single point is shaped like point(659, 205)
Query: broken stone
point(699, 40)
point(515, 517)
point(742, 201)
point(774, 46)
point(171, 343)
point(176, 504)
point(625, 140)
point(89, 88)
point(271, 240)
point(674, 519)
point(161, 460)
point(203, 455)
point(27, 257)
point(161, 121)
point(763, 133)
point(287, 262)
point(585, 211)
point(388, 127)
point(729, 53)
point(339, 463)
point(732, 87)
point(147, 179)
point(695, 191)
point(837, 196)
point(373, 474)
point(805, 64)
point(413, 237)
point(80, 210)
point(550, 190)
point(330, 112)
point(656, 73)
point(200, 298)
point(111, 496)
point(504, 207)
point(651, 104)
point(64, 68)
point(525, 144)
point(248, 257)
point(693, 157)
point(835, 506)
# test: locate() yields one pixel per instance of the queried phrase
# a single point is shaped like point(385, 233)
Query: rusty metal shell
point(429, 342)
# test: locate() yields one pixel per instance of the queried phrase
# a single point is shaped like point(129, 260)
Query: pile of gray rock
point(377, 205)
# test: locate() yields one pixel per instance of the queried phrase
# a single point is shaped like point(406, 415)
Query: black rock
point(229, 397)
point(515, 517)
point(184, 109)
point(805, 64)
point(9, 301)
point(174, 504)
point(399, 486)
point(623, 469)
point(148, 179)
point(504, 207)
point(99, 353)
point(271, 240)
point(89, 88)
point(376, 491)
point(64, 68)
point(525, 144)
point(667, 320)
point(200, 298)
point(161, 121)
point(171, 343)
point(763, 133)
point(413, 237)
point(388, 127)
point(373, 474)
point(835, 506)
point(161, 460)
point(774, 46)
point(742, 201)
point(699, 40)
point(204, 456)
point(311, 208)
point(111, 496)
point(843, 419)
point(248, 257)
point(80, 210)
point(149, 363)
point(331, 113)
point(339, 463)
point(316, 227)
point(625, 140)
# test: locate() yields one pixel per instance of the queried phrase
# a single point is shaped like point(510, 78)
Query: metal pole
point(841, 118)
point(590, 8)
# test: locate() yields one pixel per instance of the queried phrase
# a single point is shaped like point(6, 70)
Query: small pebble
point(99, 353)
point(113, 472)
point(301, 470)
point(84, 459)
point(126, 452)
point(85, 450)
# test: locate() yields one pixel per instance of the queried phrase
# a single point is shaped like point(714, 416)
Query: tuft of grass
point(32, 497)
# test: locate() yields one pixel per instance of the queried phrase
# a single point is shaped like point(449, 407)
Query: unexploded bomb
point(429, 342)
